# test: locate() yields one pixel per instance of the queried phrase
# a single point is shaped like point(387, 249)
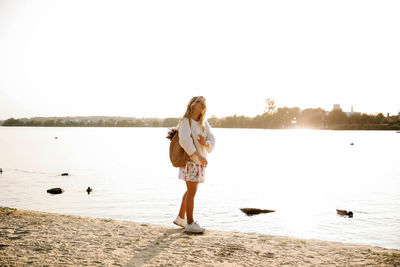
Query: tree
point(311, 117)
point(379, 118)
point(13, 122)
point(213, 121)
point(270, 108)
point(366, 119)
point(49, 123)
point(337, 117)
point(33, 123)
point(170, 122)
point(355, 119)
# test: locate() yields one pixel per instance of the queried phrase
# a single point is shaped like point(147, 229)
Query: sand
point(30, 238)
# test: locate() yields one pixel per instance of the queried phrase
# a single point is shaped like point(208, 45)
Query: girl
point(193, 173)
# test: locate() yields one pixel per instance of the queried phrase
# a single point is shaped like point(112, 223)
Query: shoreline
point(395, 129)
point(42, 238)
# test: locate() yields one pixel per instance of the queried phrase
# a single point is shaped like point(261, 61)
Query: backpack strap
point(190, 126)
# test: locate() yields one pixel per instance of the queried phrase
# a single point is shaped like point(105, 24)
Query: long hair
point(189, 109)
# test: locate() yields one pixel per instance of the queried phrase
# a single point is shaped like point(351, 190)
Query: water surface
point(305, 175)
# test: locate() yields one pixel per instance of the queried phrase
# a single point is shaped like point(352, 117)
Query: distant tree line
point(272, 118)
point(72, 123)
point(287, 118)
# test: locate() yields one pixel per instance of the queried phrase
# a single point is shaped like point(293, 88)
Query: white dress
point(193, 171)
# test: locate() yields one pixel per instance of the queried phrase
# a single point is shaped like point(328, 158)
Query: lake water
point(305, 175)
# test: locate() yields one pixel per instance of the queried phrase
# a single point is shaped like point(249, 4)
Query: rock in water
point(88, 190)
point(253, 211)
point(344, 212)
point(56, 190)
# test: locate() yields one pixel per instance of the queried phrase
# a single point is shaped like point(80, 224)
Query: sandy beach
point(30, 238)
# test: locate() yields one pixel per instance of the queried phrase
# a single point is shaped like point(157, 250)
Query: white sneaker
point(180, 222)
point(194, 227)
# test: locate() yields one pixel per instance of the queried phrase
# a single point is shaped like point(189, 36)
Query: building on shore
point(348, 113)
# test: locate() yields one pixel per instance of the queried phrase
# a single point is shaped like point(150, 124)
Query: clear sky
point(147, 58)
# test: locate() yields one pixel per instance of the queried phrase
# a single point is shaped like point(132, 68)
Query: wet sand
point(30, 238)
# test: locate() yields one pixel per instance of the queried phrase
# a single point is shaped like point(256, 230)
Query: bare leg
point(190, 193)
point(183, 206)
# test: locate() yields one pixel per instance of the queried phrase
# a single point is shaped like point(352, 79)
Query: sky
point(148, 58)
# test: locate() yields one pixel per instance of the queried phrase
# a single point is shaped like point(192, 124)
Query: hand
point(202, 141)
point(202, 159)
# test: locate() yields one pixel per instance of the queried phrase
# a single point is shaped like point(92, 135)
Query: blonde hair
point(189, 109)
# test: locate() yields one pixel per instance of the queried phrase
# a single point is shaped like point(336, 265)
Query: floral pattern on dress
point(192, 172)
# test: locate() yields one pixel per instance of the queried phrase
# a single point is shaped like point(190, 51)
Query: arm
point(185, 140)
point(210, 138)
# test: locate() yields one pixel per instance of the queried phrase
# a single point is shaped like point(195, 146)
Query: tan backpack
point(177, 154)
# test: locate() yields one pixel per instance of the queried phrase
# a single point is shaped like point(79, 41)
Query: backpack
point(177, 154)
